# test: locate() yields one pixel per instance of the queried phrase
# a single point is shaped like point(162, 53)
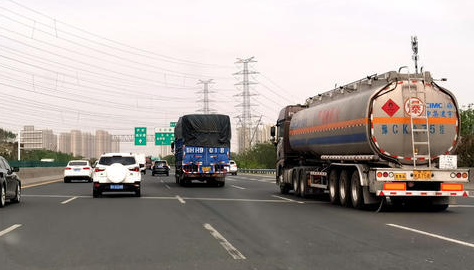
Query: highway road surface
point(245, 225)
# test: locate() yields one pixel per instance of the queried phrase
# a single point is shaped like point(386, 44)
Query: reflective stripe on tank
point(331, 126)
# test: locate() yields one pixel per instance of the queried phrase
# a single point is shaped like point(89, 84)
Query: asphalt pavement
point(245, 225)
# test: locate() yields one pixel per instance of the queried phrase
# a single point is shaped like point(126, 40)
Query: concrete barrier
point(40, 174)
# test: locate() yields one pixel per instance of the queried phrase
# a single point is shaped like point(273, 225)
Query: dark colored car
point(160, 167)
point(10, 184)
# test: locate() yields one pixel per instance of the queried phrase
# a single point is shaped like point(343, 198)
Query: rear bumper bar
point(419, 193)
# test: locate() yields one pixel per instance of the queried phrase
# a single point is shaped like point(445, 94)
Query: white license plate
point(116, 186)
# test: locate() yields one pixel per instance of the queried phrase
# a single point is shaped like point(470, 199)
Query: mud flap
point(369, 198)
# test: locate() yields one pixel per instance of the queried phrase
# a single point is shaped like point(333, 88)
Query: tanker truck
point(384, 138)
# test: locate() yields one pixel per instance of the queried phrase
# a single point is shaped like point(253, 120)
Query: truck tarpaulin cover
point(209, 130)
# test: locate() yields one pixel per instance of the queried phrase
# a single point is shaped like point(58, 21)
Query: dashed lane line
point(9, 229)
point(235, 253)
point(433, 235)
point(168, 187)
point(68, 200)
point(238, 187)
point(180, 199)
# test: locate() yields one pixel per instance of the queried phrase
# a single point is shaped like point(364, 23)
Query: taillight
point(458, 175)
point(99, 170)
point(67, 168)
point(136, 169)
point(86, 168)
point(385, 174)
point(379, 174)
point(464, 175)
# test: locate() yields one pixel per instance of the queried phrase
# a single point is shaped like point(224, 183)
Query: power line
point(116, 42)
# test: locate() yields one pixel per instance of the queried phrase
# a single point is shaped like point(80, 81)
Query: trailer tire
point(334, 186)
point(303, 184)
point(344, 188)
point(357, 195)
point(284, 188)
point(295, 177)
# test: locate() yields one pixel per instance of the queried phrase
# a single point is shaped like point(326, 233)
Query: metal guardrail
point(34, 163)
point(257, 171)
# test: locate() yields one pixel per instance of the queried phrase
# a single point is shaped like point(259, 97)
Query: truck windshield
point(117, 159)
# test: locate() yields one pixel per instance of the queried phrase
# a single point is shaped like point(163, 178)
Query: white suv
point(232, 168)
point(117, 172)
point(78, 170)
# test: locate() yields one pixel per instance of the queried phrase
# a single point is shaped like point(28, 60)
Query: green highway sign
point(173, 124)
point(140, 136)
point(164, 136)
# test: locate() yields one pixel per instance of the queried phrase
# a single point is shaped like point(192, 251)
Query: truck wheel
point(303, 184)
point(295, 180)
point(284, 189)
point(344, 188)
point(334, 186)
point(357, 196)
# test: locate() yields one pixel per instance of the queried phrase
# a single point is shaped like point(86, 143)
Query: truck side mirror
point(272, 131)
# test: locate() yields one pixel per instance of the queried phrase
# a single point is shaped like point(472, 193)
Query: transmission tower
point(246, 116)
point(205, 100)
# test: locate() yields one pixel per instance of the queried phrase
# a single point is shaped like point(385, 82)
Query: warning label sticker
point(390, 107)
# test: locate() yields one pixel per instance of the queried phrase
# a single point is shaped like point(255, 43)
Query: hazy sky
point(56, 76)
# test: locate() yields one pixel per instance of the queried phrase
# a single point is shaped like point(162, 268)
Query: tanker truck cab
point(384, 138)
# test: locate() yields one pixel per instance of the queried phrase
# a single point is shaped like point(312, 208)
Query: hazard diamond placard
point(390, 107)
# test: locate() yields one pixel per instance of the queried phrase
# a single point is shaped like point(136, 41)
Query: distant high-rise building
point(257, 135)
point(65, 143)
point(76, 142)
point(88, 145)
point(38, 139)
point(103, 142)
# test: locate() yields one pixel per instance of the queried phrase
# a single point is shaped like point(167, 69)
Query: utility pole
point(246, 116)
point(19, 144)
point(256, 130)
point(205, 101)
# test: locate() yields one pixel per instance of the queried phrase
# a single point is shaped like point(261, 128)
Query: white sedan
point(232, 168)
point(78, 170)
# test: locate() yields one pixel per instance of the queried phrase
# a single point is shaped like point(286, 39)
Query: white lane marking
point(224, 243)
point(460, 205)
point(180, 199)
point(287, 199)
point(9, 229)
point(68, 200)
point(237, 187)
point(433, 235)
point(227, 179)
point(168, 187)
point(54, 196)
point(162, 181)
